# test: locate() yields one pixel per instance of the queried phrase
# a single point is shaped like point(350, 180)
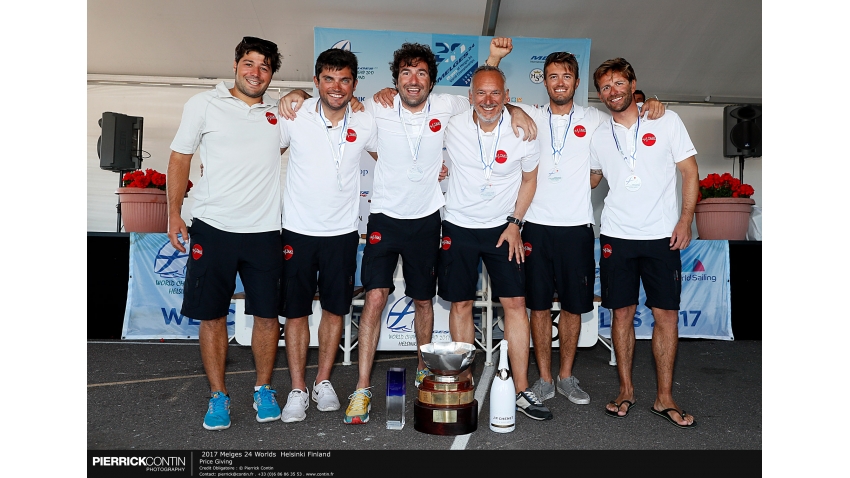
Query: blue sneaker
point(218, 414)
point(266, 405)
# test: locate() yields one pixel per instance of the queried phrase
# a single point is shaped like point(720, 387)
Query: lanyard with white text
point(414, 147)
point(337, 150)
point(556, 152)
point(630, 160)
point(488, 166)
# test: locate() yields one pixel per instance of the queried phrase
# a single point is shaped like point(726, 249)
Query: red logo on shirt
point(271, 117)
point(435, 125)
point(527, 248)
point(580, 131)
point(351, 135)
point(287, 252)
point(607, 251)
point(446, 243)
point(375, 238)
point(197, 251)
point(501, 156)
point(648, 139)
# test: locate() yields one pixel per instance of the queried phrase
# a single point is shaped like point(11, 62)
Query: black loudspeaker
point(742, 131)
point(119, 146)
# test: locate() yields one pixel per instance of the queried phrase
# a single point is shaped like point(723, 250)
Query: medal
point(337, 150)
point(633, 183)
point(487, 191)
point(554, 175)
point(558, 145)
point(415, 173)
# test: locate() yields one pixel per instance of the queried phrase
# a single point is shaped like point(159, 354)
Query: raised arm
point(285, 107)
point(499, 48)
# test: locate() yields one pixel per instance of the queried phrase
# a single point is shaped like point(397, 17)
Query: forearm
point(177, 180)
point(526, 193)
point(690, 192)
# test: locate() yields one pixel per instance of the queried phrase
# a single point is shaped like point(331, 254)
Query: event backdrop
point(457, 57)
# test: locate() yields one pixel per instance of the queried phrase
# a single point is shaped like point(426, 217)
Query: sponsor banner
point(705, 305)
point(155, 291)
point(457, 57)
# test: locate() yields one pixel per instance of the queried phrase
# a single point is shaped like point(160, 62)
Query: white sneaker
point(296, 407)
point(325, 396)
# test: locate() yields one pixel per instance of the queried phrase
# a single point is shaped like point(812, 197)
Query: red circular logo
point(375, 238)
point(501, 156)
point(287, 252)
point(527, 248)
point(197, 251)
point(607, 250)
point(271, 117)
point(648, 139)
point(446, 243)
point(435, 125)
point(351, 135)
point(580, 131)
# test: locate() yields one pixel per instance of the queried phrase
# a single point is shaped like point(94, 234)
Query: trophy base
point(454, 420)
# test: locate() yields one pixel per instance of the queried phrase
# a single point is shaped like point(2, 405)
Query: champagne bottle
point(503, 395)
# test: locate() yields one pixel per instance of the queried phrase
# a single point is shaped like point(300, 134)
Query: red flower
point(723, 186)
point(149, 178)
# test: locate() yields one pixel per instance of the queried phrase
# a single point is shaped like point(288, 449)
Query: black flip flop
point(616, 414)
point(666, 415)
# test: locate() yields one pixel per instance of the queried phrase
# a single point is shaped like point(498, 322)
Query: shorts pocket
point(193, 291)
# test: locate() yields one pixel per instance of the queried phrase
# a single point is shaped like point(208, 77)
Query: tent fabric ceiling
point(682, 50)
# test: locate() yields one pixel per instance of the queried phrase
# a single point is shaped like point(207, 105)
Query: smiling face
point(488, 96)
point(560, 83)
point(414, 84)
point(616, 91)
point(253, 76)
point(336, 87)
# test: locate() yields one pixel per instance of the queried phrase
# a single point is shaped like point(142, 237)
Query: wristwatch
point(516, 221)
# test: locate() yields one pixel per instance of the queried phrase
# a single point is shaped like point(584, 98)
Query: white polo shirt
point(472, 200)
point(239, 190)
point(652, 211)
point(401, 135)
point(563, 178)
point(319, 198)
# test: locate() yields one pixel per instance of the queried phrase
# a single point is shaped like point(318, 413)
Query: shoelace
point(322, 387)
point(359, 397)
point(532, 397)
point(219, 402)
point(296, 391)
point(266, 393)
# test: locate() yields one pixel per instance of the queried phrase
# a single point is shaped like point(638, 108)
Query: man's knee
point(513, 303)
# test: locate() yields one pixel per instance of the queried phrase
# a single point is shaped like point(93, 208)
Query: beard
point(413, 102)
point(243, 87)
point(627, 101)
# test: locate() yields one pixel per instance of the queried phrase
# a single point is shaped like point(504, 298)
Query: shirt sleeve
point(284, 132)
point(594, 158)
point(188, 135)
point(458, 104)
point(680, 142)
point(532, 156)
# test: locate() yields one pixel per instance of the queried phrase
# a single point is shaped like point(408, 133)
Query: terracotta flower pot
point(723, 218)
point(143, 209)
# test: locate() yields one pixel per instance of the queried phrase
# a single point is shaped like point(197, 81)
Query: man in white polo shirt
point(235, 219)
point(492, 181)
point(558, 232)
point(642, 229)
point(320, 217)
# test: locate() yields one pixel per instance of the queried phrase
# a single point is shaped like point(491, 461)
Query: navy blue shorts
point(559, 259)
point(323, 264)
point(215, 256)
point(418, 243)
point(624, 263)
point(462, 249)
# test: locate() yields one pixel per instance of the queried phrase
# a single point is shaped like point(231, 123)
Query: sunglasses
point(265, 43)
point(563, 55)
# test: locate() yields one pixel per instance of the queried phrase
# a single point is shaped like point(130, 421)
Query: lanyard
point(339, 149)
point(556, 152)
point(414, 147)
point(630, 160)
point(488, 167)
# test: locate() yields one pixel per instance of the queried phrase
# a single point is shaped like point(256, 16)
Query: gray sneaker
point(569, 388)
point(325, 396)
point(543, 389)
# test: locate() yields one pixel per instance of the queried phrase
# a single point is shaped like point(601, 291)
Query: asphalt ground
point(153, 396)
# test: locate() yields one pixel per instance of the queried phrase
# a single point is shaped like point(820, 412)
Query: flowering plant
point(723, 186)
point(148, 178)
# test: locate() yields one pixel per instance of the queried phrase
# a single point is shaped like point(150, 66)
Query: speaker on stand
point(742, 133)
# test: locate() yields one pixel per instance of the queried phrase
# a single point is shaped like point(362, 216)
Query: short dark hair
point(410, 54)
point(640, 92)
point(336, 59)
point(565, 58)
point(263, 47)
point(614, 65)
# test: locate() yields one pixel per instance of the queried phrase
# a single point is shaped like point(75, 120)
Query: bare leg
point(424, 324)
point(212, 338)
point(297, 334)
point(569, 328)
point(623, 337)
point(368, 334)
point(330, 333)
point(461, 327)
point(665, 342)
point(541, 333)
point(264, 338)
point(518, 337)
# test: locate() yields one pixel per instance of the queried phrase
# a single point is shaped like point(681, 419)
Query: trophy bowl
point(448, 358)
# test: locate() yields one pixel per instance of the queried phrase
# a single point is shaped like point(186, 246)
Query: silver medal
point(487, 191)
point(415, 173)
point(554, 175)
point(633, 183)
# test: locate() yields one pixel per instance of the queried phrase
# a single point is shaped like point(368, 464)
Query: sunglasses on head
point(266, 43)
